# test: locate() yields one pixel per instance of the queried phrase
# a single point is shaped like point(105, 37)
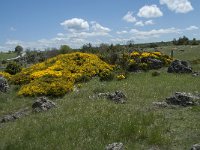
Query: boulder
point(195, 74)
point(115, 146)
point(42, 104)
point(3, 85)
point(178, 66)
point(183, 99)
point(196, 147)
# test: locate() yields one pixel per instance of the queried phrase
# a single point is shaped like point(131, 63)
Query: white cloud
point(153, 33)
point(129, 17)
point(149, 22)
point(179, 6)
point(151, 11)
point(12, 29)
point(192, 28)
point(75, 24)
point(60, 34)
point(99, 28)
point(122, 32)
point(139, 23)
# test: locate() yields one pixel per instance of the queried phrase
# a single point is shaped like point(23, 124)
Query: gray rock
point(42, 104)
point(117, 96)
point(178, 66)
point(160, 104)
point(183, 99)
point(3, 85)
point(196, 147)
point(115, 146)
point(15, 115)
point(195, 74)
point(155, 63)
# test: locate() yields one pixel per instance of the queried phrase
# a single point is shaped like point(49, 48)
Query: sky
point(41, 24)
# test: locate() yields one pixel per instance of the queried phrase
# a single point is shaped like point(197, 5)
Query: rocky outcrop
point(3, 85)
point(179, 99)
point(115, 146)
point(178, 66)
point(42, 104)
point(183, 99)
point(196, 147)
point(16, 115)
point(117, 96)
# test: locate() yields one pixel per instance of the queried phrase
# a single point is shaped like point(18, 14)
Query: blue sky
point(50, 23)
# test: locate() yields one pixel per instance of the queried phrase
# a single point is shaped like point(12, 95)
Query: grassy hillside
point(80, 123)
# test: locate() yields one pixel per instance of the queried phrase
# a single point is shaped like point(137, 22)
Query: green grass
point(6, 55)
point(80, 123)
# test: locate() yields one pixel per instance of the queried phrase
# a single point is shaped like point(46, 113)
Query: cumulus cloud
point(75, 24)
point(192, 28)
point(139, 23)
point(149, 22)
point(122, 32)
point(151, 11)
point(154, 32)
point(99, 28)
point(179, 6)
point(129, 17)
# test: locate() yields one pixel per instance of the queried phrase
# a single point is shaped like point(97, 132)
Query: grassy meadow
point(81, 123)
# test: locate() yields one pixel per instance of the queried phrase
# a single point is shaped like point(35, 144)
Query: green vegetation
point(82, 123)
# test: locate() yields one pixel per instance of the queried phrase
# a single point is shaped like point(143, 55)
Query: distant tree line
point(185, 41)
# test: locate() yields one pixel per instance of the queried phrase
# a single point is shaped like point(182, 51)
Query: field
point(81, 123)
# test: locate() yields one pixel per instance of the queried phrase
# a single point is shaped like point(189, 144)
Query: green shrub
point(106, 75)
point(13, 68)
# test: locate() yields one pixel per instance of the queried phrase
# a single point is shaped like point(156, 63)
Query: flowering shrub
point(120, 77)
point(57, 75)
point(147, 60)
point(5, 75)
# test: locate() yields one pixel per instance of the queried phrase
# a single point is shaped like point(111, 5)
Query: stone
point(178, 66)
point(160, 104)
point(16, 115)
point(195, 74)
point(42, 104)
point(183, 99)
point(3, 85)
point(155, 63)
point(196, 147)
point(117, 96)
point(115, 146)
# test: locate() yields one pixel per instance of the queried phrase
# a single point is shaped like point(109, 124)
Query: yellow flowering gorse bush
point(57, 75)
point(143, 60)
point(5, 75)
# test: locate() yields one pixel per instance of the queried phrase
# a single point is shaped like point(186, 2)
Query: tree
point(65, 49)
point(194, 41)
point(18, 49)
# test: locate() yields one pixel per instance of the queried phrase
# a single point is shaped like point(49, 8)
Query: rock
point(3, 85)
point(195, 74)
point(117, 97)
point(115, 146)
point(160, 104)
point(155, 63)
point(178, 66)
point(183, 99)
point(196, 147)
point(14, 116)
point(42, 104)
